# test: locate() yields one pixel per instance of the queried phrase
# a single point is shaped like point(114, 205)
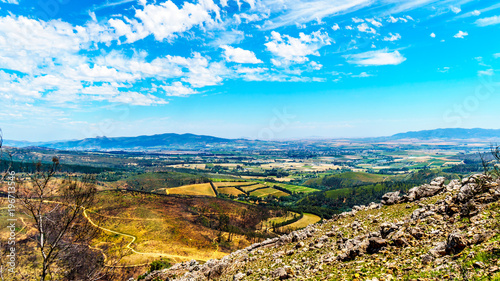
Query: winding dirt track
point(177, 258)
point(133, 238)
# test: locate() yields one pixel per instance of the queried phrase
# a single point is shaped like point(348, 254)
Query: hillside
point(159, 141)
point(448, 134)
point(436, 231)
point(192, 141)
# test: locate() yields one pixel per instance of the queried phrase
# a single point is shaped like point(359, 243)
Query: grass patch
point(204, 189)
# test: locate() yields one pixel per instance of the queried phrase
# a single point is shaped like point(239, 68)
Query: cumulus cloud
point(177, 89)
point(239, 55)
point(16, 2)
point(374, 22)
point(392, 37)
point(475, 13)
point(380, 57)
point(460, 34)
point(433, 35)
point(335, 27)
point(365, 28)
point(296, 50)
point(166, 20)
point(488, 21)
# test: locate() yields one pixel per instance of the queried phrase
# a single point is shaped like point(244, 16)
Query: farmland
point(268, 192)
point(306, 220)
point(189, 205)
point(201, 189)
point(230, 191)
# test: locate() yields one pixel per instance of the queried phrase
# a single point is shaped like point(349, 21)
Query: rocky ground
point(436, 231)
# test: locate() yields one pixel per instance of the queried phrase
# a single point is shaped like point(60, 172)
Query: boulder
point(422, 191)
point(455, 243)
point(387, 228)
point(375, 244)
point(390, 198)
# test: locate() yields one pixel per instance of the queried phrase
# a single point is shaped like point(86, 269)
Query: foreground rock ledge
point(444, 228)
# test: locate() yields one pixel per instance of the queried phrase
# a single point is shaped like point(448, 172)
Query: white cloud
point(303, 11)
point(460, 34)
point(201, 72)
point(497, 55)
point(374, 22)
point(166, 20)
point(380, 57)
point(239, 55)
point(488, 72)
point(362, 75)
point(433, 35)
point(335, 27)
point(228, 38)
point(392, 19)
point(488, 21)
point(357, 20)
point(16, 2)
point(392, 37)
point(455, 10)
point(475, 13)
point(316, 66)
point(293, 49)
point(348, 27)
point(444, 69)
point(365, 28)
point(177, 89)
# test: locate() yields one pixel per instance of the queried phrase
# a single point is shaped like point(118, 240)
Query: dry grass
point(303, 222)
point(251, 188)
point(192, 189)
point(163, 226)
point(232, 183)
point(230, 191)
point(267, 192)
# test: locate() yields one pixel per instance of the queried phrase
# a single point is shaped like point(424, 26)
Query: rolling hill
point(449, 133)
point(160, 141)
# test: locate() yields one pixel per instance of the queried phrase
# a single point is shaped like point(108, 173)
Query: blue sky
point(268, 69)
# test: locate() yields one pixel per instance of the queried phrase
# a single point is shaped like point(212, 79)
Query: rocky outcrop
point(432, 234)
point(391, 198)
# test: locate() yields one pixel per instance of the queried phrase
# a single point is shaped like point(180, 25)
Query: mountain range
point(192, 141)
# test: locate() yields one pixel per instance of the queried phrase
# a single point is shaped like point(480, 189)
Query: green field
point(364, 177)
point(268, 191)
point(159, 180)
point(292, 188)
point(192, 189)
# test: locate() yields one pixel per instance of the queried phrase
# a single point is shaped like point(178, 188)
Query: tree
point(63, 234)
point(491, 162)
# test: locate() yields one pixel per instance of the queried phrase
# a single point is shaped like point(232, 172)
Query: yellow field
point(230, 191)
point(268, 224)
point(303, 222)
point(268, 191)
point(232, 183)
point(249, 188)
point(192, 189)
